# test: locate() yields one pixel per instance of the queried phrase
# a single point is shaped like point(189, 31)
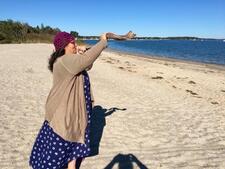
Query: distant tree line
point(17, 32)
point(168, 38)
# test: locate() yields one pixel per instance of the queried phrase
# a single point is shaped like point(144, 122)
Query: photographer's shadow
point(125, 161)
point(97, 125)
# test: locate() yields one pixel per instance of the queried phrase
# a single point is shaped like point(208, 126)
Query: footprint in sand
point(222, 90)
point(181, 77)
point(129, 70)
point(109, 61)
point(132, 71)
point(157, 77)
point(210, 71)
point(193, 93)
point(198, 96)
point(29, 70)
point(191, 82)
point(120, 67)
point(214, 102)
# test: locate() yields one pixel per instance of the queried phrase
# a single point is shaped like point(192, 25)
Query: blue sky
point(201, 18)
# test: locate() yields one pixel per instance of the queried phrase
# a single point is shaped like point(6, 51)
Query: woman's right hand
point(103, 36)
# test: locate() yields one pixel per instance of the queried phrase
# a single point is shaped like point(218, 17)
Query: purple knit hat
point(62, 39)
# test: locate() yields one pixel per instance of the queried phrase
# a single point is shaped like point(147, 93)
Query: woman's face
point(71, 48)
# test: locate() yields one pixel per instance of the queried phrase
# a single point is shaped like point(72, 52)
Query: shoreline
point(215, 66)
point(158, 58)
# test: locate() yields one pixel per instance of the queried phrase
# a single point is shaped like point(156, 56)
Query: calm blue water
point(207, 51)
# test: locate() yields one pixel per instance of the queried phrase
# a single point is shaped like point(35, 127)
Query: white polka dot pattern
point(52, 151)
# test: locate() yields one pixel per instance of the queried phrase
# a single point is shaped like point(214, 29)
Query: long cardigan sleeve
point(76, 63)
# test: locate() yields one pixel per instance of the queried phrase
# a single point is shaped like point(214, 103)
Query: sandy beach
point(149, 113)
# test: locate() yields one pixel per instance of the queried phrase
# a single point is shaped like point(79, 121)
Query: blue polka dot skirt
point(50, 151)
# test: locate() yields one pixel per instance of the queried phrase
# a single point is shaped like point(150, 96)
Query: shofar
point(127, 36)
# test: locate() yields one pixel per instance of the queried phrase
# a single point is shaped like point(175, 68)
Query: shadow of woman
point(97, 125)
point(125, 161)
point(98, 115)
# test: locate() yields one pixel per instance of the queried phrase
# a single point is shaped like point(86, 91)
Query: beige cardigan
point(65, 106)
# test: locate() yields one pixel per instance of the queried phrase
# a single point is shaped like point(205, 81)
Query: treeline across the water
point(169, 38)
point(17, 32)
point(173, 38)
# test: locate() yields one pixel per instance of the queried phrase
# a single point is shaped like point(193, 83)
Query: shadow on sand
point(97, 125)
point(125, 161)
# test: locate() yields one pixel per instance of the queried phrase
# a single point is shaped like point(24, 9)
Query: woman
point(64, 135)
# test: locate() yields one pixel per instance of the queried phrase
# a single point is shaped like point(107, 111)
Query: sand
point(149, 113)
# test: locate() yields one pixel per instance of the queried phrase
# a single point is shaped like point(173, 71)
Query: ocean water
point(206, 51)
